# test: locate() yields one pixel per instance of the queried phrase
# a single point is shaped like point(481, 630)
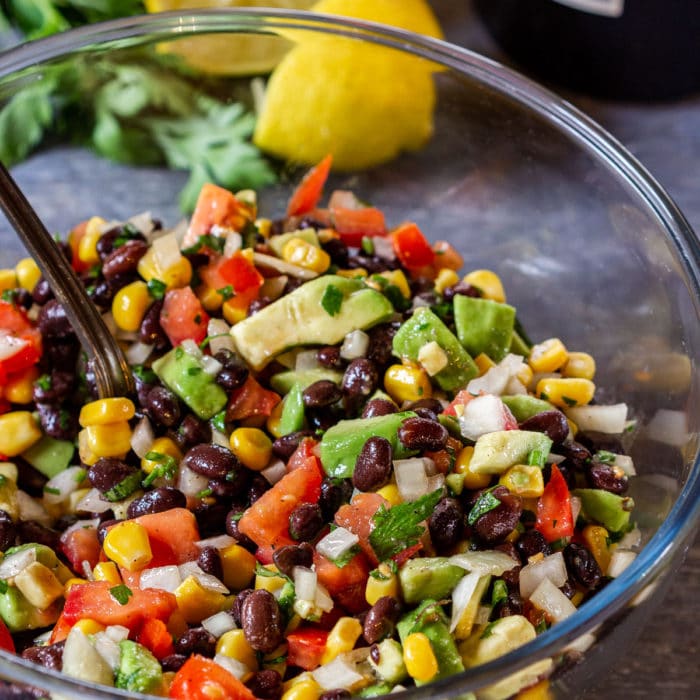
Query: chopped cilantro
point(179, 352)
point(219, 421)
point(204, 493)
point(156, 288)
point(165, 466)
point(213, 243)
point(3, 586)
point(144, 374)
point(397, 299)
point(569, 401)
point(488, 630)
point(536, 458)
point(226, 292)
point(332, 300)
point(194, 371)
point(499, 592)
point(52, 490)
point(485, 503)
point(605, 457)
point(44, 382)
point(9, 296)
point(121, 593)
point(367, 245)
point(346, 558)
point(63, 419)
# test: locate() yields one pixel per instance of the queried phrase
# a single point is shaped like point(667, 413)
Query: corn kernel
point(472, 479)
point(596, 538)
point(539, 691)
point(210, 298)
point(109, 440)
point(525, 374)
point(107, 571)
point(177, 275)
point(161, 446)
point(398, 279)
point(489, 283)
point(234, 645)
point(8, 279)
point(381, 582)
point(548, 356)
point(106, 411)
point(276, 660)
point(87, 248)
point(72, 582)
point(298, 252)
point(233, 312)
point(445, 278)
point(419, 657)
point(580, 365)
point(341, 638)
point(127, 545)
point(18, 432)
point(28, 273)
point(238, 565)
point(565, 392)
point(130, 304)
point(354, 273)
point(484, 363)
point(264, 226)
point(269, 583)
point(523, 480)
point(274, 419)
point(196, 602)
point(391, 493)
point(89, 626)
point(20, 385)
point(304, 689)
point(252, 447)
point(406, 383)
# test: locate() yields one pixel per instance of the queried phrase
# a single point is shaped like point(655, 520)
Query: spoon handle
point(112, 373)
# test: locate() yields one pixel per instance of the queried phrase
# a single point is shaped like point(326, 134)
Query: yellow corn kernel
point(89, 626)
point(524, 480)
point(107, 571)
point(252, 447)
point(8, 279)
point(354, 273)
point(73, 582)
point(264, 226)
point(18, 432)
point(127, 545)
point(276, 660)
point(105, 411)
point(130, 304)
point(484, 363)
point(108, 440)
point(341, 638)
point(565, 392)
point(233, 312)
point(548, 356)
point(298, 252)
point(210, 298)
point(406, 383)
point(539, 691)
point(196, 602)
point(28, 273)
point(234, 645)
point(525, 374)
point(382, 581)
point(489, 283)
point(87, 248)
point(472, 480)
point(20, 386)
point(398, 279)
point(391, 493)
point(445, 278)
point(178, 275)
point(161, 446)
point(596, 538)
point(580, 365)
point(269, 583)
point(238, 565)
point(419, 657)
point(304, 689)
point(273, 420)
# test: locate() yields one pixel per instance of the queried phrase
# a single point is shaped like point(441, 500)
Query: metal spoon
point(106, 359)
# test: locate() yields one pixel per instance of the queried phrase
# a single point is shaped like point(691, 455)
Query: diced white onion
point(493, 381)
point(305, 583)
point(12, 565)
point(551, 567)
point(211, 583)
point(483, 414)
point(233, 242)
point(355, 345)
point(108, 649)
point(219, 438)
point(284, 268)
point(143, 222)
point(626, 464)
point(81, 525)
point(31, 509)
point(582, 644)
point(211, 365)
point(383, 247)
point(218, 332)
point(411, 479)
point(189, 482)
point(233, 666)
point(576, 505)
point(554, 459)
point(180, 230)
point(191, 348)
point(668, 427)
point(323, 600)
point(142, 438)
point(166, 251)
point(537, 376)
point(484, 562)
point(631, 539)
point(550, 599)
point(217, 542)
point(432, 358)
point(306, 359)
point(275, 471)
point(117, 633)
point(609, 419)
point(619, 561)
point(166, 578)
point(219, 623)
point(461, 597)
point(336, 543)
point(59, 487)
point(339, 673)
point(42, 639)
point(137, 353)
point(514, 387)
point(10, 345)
point(92, 502)
point(435, 482)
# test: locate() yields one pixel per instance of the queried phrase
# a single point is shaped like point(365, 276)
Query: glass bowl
point(590, 247)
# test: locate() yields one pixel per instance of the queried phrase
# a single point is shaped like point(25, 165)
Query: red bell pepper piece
point(216, 206)
point(357, 516)
point(554, 516)
point(412, 247)
point(81, 545)
point(155, 637)
point(203, 679)
point(309, 190)
point(305, 647)
point(6, 641)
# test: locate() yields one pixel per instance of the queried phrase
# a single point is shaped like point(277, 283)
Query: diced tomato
point(357, 515)
point(60, 630)
point(303, 454)
point(216, 206)
point(20, 341)
point(447, 256)
point(6, 641)
point(266, 522)
point(79, 545)
point(183, 316)
point(13, 319)
point(74, 237)
point(346, 584)
point(352, 220)
point(155, 637)
point(305, 647)
point(554, 517)
point(411, 246)
point(236, 270)
point(250, 400)
point(203, 679)
point(462, 398)
point(309, 190)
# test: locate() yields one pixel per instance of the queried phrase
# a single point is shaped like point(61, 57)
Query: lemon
point(228, 54)
point(363, 103)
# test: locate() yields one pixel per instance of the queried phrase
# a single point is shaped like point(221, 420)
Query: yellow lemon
point(361, 102)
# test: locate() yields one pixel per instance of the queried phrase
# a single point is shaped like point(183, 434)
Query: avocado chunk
point(341, 444)
point(292, 418)
point(282, 382)
point(50, 456)
point(375, 690)
point(428, 577)
point(320, 312)
point(390, 666)
point(81, 660)
point(139, 671)
point(484, 325)
point(20, 615)
point(430, 619)
point(183, 373)
point(608, 509)
point(46, 556)
point(524, 406)
point(496, 452)
point(425, 327)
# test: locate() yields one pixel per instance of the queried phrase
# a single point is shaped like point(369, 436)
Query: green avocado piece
point(608, 509)
point(424, 327)
point(50, 456)
point(46, 556)
point(320, 312)
point(518, 345)
point(184, 374)
point(484, 325)
point(430, 619)
point(390, 667)
point(139, 671)
point(376, 690)
point(428, 577)
point(282, 382)
point(20, 615)
point(496, 452)
point(524, 406)
point(341, 444)
point(292, 418)
point(278, 242)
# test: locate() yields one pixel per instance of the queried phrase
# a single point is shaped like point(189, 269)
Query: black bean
point(101, 292)
point(157, 500)
point(236, 608)
point(232, 378)
point(606, 477)
point(194, 430)
point(49, 656)
point(381, 619)
point(373, 465)
point(446, 524)
point(334, 492)
point(360, 378)
point(575, 454)
point(265, 684)
point(57, 422)
point(173, 662)
point(552, 423)
point(54, 387)
point(321, 419)
point(463, 288)
point(329, 357)
point(378, 407)
point(512, 605)
point(337, 250)
point(337, 694)
point(32, 531)
point(582, 566)
point(150, 330)
point(291, 555)
point(321, 393)
point(163, 406)
point(285, 446)
point(123, 260)
point(196, 641)
point(42, 291)
point(305, 521)
point(53, 322)
point(422, 434)
point(223, 489)
point(211, 518)
point(107, 472)
point(380, 349)
point(258, 305)
point(231, 525)
point(258, 486)
point(531, 542)
point(495, 525)
point(261, 621)
point(209, 562)
point(212, 461)
point(8, 532)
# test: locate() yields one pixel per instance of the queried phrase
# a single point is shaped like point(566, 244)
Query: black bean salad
point(346, 470)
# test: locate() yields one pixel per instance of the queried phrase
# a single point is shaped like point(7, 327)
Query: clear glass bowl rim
point(681, 523)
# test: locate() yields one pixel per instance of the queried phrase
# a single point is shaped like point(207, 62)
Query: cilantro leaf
point(121, 593)
point(156, 288)
point(398, 527)
point(485, 503)
point(332, 300)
